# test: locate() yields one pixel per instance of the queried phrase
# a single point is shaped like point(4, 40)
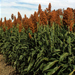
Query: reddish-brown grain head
point(20, 27)
point(39, 9)
point(12, 16)
point(49, 7)
point(4, 29)
point(30, 35)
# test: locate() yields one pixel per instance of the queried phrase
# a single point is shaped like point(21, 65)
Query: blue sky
point(7, 7)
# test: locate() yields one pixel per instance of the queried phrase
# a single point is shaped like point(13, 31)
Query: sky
point(28, 7)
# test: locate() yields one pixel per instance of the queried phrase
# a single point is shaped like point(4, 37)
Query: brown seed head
point(30, 35)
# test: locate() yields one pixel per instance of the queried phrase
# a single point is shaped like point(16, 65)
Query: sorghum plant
point(67, 18)
point(58, 19)
point(9, 24)
point(24, 18)
point(34, 20)
point(59, 11)
point(70, 18)
point(5, 20)
point(47, 12)
point(25, 25)
point(1, 22)
point(19, 16)
point(39, 9)
point(15, 21)
point(43, 18)
point(18, 21)
point(53, 16)
point(20, 27)
point(74, 20)
point(49, 8)
point(31, 25)
point(12, 16)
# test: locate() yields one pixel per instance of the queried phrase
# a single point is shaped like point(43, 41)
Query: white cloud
point(8, 7)
point(71, 1)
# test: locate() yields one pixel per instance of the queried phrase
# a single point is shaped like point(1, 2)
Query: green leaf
point(15, 63)
point(53, 71)
point(50, 64)
point(64, 67)
point(74, 66)
point(13, 37)
point(6, 44)
point(69, 40)
point(64, 55)
point(47, 42)
point(74, 48)
point(26, 69)
point(40, 54)
point(44, 73)
point(28, 58)
point(72, 72)
point(37, 60)
point(33, 52)
point(18, 46)
point(40, 43)
point(65, 45)
point(30, 65)
point(41, 66)
point(1, 44)
point(45, 58)
point(21, 56)
point(57, 50)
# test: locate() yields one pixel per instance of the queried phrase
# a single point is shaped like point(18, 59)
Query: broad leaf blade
point(50, 64)
point(53, 71)
point(63, 56)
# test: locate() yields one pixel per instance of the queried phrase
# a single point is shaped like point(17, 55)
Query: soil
point(6, 69)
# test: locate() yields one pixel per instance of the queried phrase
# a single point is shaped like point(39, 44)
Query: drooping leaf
point(30, 65)
point(21, 56)
point(64, 55)
point(53, 71)
point(45, 58)
point(50, 64)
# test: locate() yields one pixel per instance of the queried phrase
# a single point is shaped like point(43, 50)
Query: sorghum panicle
point(4, 29)
point(67, 17)
point(53, 16)
point(15, 21)
point(12, 16)
point(25, 25)
point(43, 18)
point(5, 20)
point(34, 20)
point(9, 24)
point(57, 21)
point(31, 25)
point(20, 27)
point(39, 9)
point(19, 16)
point(30, 35)
point(49, 8)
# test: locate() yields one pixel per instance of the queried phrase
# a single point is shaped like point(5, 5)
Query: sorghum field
point(43, 44)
